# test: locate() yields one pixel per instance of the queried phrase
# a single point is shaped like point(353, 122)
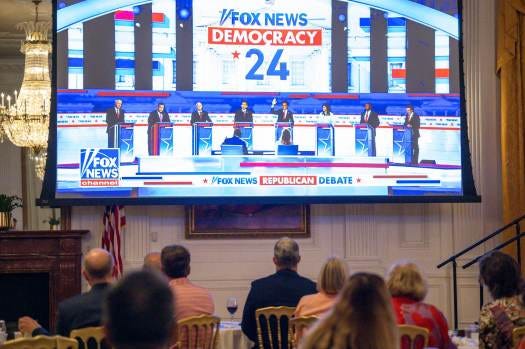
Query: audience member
point(331, 280)
point(408, 290)
point(152, 261)
point(138, 312)
point(284, 288)
point(190, 300)
point(501, 274)
point(84, 310)
point(361, 318)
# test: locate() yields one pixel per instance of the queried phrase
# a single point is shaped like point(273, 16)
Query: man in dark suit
point(156, 116)
point(284, 288)
point(84, 310)
point(244, 114)
point(236, 140)
point(199, 114)
point(284, 114)
point(413, 121)
point(370, 117)
point(114, 116)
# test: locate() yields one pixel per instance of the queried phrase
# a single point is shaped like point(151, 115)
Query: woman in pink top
point(331, 280)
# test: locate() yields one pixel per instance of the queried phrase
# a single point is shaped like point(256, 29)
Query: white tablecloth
point(465, 343)
point(231, 336)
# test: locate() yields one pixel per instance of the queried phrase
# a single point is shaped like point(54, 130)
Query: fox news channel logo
point(99, 167)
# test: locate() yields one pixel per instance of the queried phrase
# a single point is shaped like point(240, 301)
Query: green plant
point(9, 203)
point(52, 221)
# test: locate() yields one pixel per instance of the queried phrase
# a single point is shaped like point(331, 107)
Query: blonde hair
point(406, 280)
point(362, 318)
point(332, 276)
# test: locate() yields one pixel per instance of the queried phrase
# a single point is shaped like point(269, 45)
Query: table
point(231, 336)
point(465, 342)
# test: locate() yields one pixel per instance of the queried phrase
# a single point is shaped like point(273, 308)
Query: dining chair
point(298, 325)
point(197, 332)
point(271, 321)
point(517, 334)
point(89, 337)
point(41, 342)
point(413, 337)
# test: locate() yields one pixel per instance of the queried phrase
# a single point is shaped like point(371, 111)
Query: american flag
point(114, 221)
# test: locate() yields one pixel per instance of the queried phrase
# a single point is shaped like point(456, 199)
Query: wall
point(368, 237)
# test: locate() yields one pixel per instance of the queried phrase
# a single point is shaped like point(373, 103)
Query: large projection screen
point(275, 101)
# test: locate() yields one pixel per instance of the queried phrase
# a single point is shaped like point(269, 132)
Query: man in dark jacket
point(370, 117)
point(84, 310)
point(413, 122)
point(156, 116)
point(284, 288)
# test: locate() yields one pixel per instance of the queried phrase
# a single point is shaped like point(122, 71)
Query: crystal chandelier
point(24, 118)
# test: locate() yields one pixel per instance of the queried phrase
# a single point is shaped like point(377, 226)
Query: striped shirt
point(190, 300)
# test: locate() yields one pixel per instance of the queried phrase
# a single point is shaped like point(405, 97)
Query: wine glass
point(231, 305)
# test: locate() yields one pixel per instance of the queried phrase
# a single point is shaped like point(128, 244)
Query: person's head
point(409, 109)
point(152, 261)
point(98, 266)
point(139, 312)
point(501, 274)
point(285, 105)
point(160, 107)
point(333, 276)
point(237, 132)
point(118, 103)
point(244, 105)
point(175, 261)
point(286, 137)
point(286, 254)
point(362, 317)
point(405, 280)
point(368, 106)
point(198, 105)
point(326, 108)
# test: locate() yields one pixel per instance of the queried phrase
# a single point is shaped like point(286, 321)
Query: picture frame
point(247, 221)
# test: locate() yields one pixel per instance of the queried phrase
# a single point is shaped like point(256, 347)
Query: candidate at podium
point(284, 114)
point(370, 117)
point(114, 116)
point(413, 122)
point(243, 114)
point(326, 115)
point(236, 140)
point(156, 116)
point(199, 114)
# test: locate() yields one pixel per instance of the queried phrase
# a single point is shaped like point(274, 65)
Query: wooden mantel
point(58, 253)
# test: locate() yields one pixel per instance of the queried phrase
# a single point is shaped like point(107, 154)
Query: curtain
point(511, 71)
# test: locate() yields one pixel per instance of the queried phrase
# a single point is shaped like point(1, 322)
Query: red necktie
point(366, 118)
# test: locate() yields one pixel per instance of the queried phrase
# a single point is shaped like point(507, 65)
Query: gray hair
point(286, 252)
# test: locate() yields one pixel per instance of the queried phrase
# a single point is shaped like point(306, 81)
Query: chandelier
point(24, 117)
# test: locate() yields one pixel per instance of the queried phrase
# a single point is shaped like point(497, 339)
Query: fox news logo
point(99, 167)
point(255, 18)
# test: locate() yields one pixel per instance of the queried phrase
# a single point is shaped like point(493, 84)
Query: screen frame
point(48, 193)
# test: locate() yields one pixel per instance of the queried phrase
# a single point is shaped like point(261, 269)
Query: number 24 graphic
point(282, 72)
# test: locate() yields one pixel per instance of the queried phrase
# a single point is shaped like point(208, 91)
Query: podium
point(123, 139)
point(325, 140)
point(246, 132)
point(402, 144)
point(202, 133)
point(162, 138)
point(280, 127)
point(364, 140)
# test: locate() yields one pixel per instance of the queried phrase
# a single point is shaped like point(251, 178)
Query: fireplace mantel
point(57, 253)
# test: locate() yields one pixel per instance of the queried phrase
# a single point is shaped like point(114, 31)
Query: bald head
point(286, 253)
point(152, 261)
point(98, 265)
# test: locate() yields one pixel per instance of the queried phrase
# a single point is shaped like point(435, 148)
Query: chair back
point(413, 337)
point(198, 332)
point(271, 322)
point(517, 334)
point(298, 325)
point(89, 337)
point(41, 342)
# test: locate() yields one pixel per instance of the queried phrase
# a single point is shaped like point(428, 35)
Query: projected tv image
point(199, 99)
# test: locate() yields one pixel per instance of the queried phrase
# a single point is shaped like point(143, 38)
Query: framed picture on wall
point(247, 221)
